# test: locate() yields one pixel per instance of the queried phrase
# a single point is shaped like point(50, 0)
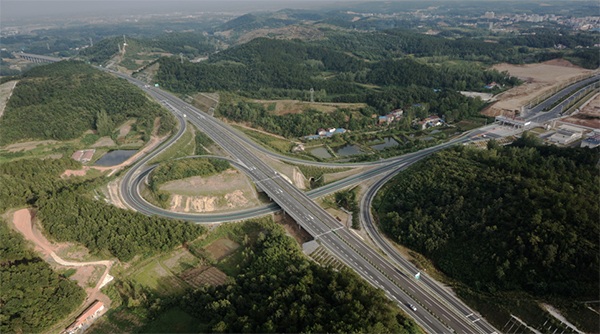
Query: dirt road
point(23, 223)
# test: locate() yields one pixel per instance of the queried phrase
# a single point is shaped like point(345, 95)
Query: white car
point(412, 307)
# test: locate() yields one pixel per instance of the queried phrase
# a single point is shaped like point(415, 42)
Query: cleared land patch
point(5, 93)
point(156, 277)
point(181, 261)
point(540, 77)
point(200, 276)
point(228, 190)
point(589, 115)
point(283, 107)
point(302, 32)
point(222, 247)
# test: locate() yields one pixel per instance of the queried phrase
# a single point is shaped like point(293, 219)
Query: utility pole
point(312, 92)
point(119, 45)
point(181, 57)
point(91, 42)
point(48, 46)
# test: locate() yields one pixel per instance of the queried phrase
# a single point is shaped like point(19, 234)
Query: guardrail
point(535, 101)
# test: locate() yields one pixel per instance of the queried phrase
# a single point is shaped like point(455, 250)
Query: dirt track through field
point(23, 223)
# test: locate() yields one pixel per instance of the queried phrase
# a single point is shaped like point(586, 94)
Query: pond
point(387, 142)
point(347, 150)
point(115, 157)
point(321, 152)
point(435, 131)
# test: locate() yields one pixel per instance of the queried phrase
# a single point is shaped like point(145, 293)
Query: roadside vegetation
point(506, 221)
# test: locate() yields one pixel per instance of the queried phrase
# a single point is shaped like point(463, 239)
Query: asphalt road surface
point(327, 230)
point(537, 115)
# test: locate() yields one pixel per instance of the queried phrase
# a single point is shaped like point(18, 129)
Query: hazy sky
point(36, 8)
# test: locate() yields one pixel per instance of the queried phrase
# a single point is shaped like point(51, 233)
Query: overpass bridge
point(434, 315)
point(37, 58)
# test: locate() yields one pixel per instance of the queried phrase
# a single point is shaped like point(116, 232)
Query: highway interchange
point(446, 313)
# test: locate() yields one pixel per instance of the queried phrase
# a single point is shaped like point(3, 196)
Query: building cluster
point(392, 116)
point(86, 318)
point(491, 85)
point(591, 142)
point(430, 122)
point(578, 23)
point(83, 155)
point(324, 133)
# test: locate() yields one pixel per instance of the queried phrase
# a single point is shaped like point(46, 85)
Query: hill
point(141, 51)
point(63, 100)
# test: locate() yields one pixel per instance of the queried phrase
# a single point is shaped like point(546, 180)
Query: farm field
point(222, 247)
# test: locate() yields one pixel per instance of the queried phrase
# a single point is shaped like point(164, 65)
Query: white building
point(565, 137)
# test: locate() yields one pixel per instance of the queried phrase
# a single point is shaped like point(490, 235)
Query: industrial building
point(591, 142)
point(86, 318)
point(565, 137)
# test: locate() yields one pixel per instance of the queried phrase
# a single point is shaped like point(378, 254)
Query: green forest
point(69, 213)
point(521, 217)
point(189, 44)
point(280, 290)
point(295, 65)
point(32, 295)
point(63, 100)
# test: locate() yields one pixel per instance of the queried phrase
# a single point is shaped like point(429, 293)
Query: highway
point(426, 281)
point(537, 115)
point(451, 315)
point(336, 238)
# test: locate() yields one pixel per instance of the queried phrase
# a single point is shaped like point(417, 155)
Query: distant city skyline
point(45, 8)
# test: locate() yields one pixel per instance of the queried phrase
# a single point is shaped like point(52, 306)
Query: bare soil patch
point(589, 115)
point(28, 145)
point(113, 191)
point(6, 90)
point(283, 107)
point(222, 247)
point(74, 172)
point(104, 141)
point(340, 216)
point(540, 78)
point(125, 128)
point(22, 220)
point(225, 191)
point(292, 228)
point(290, 32)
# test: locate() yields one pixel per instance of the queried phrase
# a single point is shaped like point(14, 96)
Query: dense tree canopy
point(63, 100)
point(68, 213)
point(519, 217)
point(99, 226)
point(32, 295)
point(280, 290)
